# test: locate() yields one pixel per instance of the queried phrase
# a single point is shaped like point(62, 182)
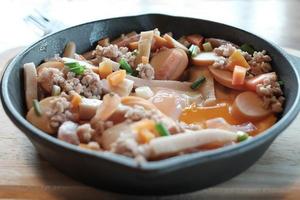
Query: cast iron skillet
point(121, 174)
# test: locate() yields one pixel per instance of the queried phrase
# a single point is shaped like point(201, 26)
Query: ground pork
point(115, 53)
point(259, 63)
point(85, 133)
point(220, 63)
point(60, 112)
point(271, 94)
point(88, 84)
point(67, 132)
point(146, 71)
point(224, 50)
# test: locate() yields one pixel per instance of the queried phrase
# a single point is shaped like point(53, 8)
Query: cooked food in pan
point(148, 96)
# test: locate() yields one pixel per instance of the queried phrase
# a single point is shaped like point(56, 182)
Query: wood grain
point(25, 175)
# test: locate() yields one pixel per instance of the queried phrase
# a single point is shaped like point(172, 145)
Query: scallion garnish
point(37, 108)
point(125, 65)
point(281, 83)
point(75, 67)
point(248, 48)
point(197, 83)
point(194, 50)
point(161, 129)
point(242, 136)
point(207, 47)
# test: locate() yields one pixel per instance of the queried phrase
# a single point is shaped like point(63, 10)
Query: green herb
point(194, 50)
point(281, 83)
point(161, 129)
point(207, 46)
point(242, 136)
point(248, 48)
point(196, 84)
point(125, 65)
point(37, 108)
point(75, 67)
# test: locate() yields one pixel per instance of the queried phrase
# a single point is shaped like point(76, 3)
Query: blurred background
point(25, 21)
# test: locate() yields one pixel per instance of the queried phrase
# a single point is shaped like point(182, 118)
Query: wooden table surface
point(25, 175)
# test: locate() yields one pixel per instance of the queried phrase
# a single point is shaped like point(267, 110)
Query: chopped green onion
point(75, 67)
point(125, 65)
point(196, 84)
point(161, 129)
point(242, 136)
point(248, 48)
point(37, 108)
point(281, 83)
point(55, 90)
point(207, 46)
point(194, 50)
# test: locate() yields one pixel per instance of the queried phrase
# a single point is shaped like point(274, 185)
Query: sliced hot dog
point(169, 64)
point(249, 106)
point(224, 77)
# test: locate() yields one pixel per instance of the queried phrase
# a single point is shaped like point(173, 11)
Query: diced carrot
point(145, 60)
point(144, 136)
point(169, 41)
point(253, 82)
point(76, 99)
point(237, 58)
point(195, 39)
point(133, 45)
point(239, 74)
point(143, 124)
point(104, 70)
point(116, 77)
point(172, 43)
point(160, 42)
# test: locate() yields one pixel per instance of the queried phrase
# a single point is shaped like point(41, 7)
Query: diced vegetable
point(145, 60)
point(195, 39)
point(55, 90)
point(116, 77)
point(161, 129)
point(144, 46)
point(174, 43)
point(160, 42)
point(133, 45)
point(37, 108)
point(30, 80)
point(144, 92)
point(196, 84)
point(237, 58)
point(70, 50)
point(171, 145)
point(145, 124)
point(204, 59)
point(248, 48)
point(104, 70)
point(88, 107)
point(125, 65)
point(75, 67)
point(145, 136)
point(109, 105)
point(123, 89)
point(207, 47)
point(76, 100)
point(248, 106)
point(224, 77)
point(194, 50)
point(281, 82)
point(242, 136)
point(239, 74)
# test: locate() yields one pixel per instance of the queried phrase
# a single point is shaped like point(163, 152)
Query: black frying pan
point(121, 174)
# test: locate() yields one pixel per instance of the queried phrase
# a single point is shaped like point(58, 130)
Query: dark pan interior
point(153, 177)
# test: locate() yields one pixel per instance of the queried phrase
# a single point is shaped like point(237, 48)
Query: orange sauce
point(198, 115)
